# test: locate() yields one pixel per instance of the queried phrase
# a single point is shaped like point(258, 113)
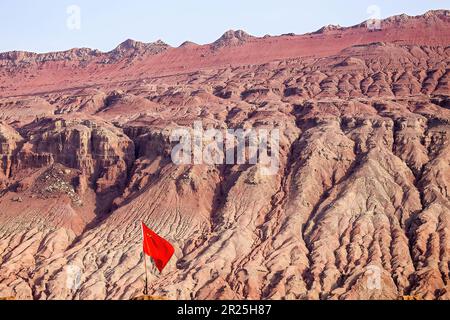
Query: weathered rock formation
point(359, 209)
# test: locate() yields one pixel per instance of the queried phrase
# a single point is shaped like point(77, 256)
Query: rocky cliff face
point(359, 208)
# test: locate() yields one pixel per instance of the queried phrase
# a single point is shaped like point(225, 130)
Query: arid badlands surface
point(364, 183)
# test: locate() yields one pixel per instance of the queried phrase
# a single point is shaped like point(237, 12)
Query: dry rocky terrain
point(363, 188)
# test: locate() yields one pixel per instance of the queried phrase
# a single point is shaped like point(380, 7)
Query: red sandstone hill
point(24, 72)
point(358, 210)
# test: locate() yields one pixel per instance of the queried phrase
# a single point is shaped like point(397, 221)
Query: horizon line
point(447, 11)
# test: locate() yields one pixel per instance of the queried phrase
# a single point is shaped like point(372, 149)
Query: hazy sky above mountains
point(49, 25)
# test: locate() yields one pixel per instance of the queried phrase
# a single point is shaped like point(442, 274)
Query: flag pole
point(146, 276)
point(145, 265)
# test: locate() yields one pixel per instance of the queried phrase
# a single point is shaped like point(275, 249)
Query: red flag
point(156, 247)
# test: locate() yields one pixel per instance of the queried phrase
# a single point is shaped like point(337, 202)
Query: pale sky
point(46, 25)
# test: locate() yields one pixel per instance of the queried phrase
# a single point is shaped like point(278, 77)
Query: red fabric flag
point(156, 247)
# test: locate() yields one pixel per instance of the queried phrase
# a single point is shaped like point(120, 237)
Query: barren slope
point(364, 180)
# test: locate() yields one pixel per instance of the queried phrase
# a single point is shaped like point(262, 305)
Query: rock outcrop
point(232, 38)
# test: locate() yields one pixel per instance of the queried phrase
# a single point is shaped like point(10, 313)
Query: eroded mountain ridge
point(362, 188)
